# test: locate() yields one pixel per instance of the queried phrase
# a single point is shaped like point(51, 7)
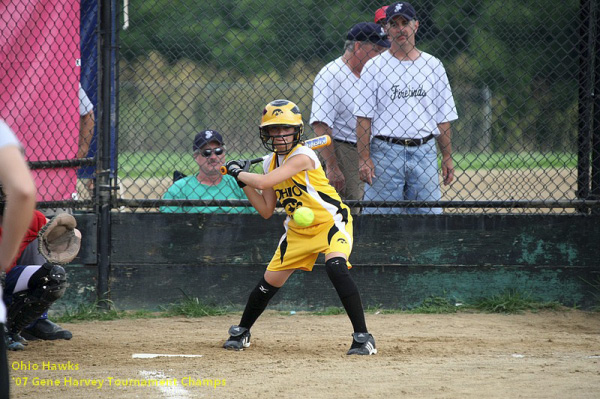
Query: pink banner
point(39, 77)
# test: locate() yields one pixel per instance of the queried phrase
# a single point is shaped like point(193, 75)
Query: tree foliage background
point(188, 65)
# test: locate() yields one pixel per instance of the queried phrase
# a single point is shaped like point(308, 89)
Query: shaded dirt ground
point(545, 355)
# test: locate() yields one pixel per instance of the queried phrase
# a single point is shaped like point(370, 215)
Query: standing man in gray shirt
point(334, 90)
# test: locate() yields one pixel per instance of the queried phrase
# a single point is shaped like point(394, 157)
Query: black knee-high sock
point(337, 270)
point(257, 302)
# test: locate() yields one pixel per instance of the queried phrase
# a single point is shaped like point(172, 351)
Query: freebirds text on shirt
point(397, 92)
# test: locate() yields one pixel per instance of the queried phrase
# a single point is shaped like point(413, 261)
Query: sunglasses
point(208, 152)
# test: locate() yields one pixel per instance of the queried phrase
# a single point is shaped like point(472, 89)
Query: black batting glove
point(234, 168)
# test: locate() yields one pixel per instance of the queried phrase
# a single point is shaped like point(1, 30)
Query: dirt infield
point(546, 355)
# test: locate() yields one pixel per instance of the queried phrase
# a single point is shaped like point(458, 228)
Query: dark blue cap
point(403, 9)
point(368, 32)
point(206, 136)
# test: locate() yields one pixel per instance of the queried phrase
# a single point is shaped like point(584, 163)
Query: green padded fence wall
point(398, 261)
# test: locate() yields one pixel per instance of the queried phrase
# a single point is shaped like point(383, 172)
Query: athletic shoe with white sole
point(362, 344)
point(239, 338)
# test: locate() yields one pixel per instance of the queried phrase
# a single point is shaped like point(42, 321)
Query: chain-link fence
point(519, 103)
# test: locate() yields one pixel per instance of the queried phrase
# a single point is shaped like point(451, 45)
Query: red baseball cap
point(380, 14)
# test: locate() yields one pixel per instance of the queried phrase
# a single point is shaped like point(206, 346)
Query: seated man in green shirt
point(208, 183)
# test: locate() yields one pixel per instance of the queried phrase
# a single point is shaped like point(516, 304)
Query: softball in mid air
point(304, 216)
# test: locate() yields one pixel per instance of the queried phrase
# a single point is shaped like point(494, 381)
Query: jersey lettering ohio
point(331, 230)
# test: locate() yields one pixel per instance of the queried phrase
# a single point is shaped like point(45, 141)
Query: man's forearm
point(86, 132)
point(445, 139)
point(363, 137)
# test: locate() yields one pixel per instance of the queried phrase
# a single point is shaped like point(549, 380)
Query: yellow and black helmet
point(281, 113)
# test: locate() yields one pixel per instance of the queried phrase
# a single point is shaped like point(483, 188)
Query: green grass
point(435, 305)
point(193, 307)
point(513, 160)
point(512, 301)
point(105, 311)
point(509, 302)
point(100, 312)
point(162, 164)
point(381, 310)
point(330, 311)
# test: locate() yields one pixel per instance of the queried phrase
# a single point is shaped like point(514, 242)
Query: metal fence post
point(596, 110)
point(104, 189)
point(586, 56)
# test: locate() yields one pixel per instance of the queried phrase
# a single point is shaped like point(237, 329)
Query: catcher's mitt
point(58, 240)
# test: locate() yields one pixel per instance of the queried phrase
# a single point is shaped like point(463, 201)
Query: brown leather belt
point(406, 142)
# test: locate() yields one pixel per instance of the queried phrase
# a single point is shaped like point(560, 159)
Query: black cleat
point(362, 344)
point(46, 330)
point(239, 338)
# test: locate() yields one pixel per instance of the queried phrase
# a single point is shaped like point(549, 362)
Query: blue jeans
point(404, 173)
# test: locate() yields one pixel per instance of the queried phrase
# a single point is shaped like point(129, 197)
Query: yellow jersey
point(308, 188)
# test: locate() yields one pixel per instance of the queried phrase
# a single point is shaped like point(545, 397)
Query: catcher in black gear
point(36, 280)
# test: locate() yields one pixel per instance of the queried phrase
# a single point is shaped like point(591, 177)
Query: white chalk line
point(552, 356)
point(169, 391)
point(155, 355)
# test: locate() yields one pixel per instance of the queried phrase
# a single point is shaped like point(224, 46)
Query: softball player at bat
point(294, 176)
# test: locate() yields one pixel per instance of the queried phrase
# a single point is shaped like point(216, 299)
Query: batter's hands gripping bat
point(317, 142)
